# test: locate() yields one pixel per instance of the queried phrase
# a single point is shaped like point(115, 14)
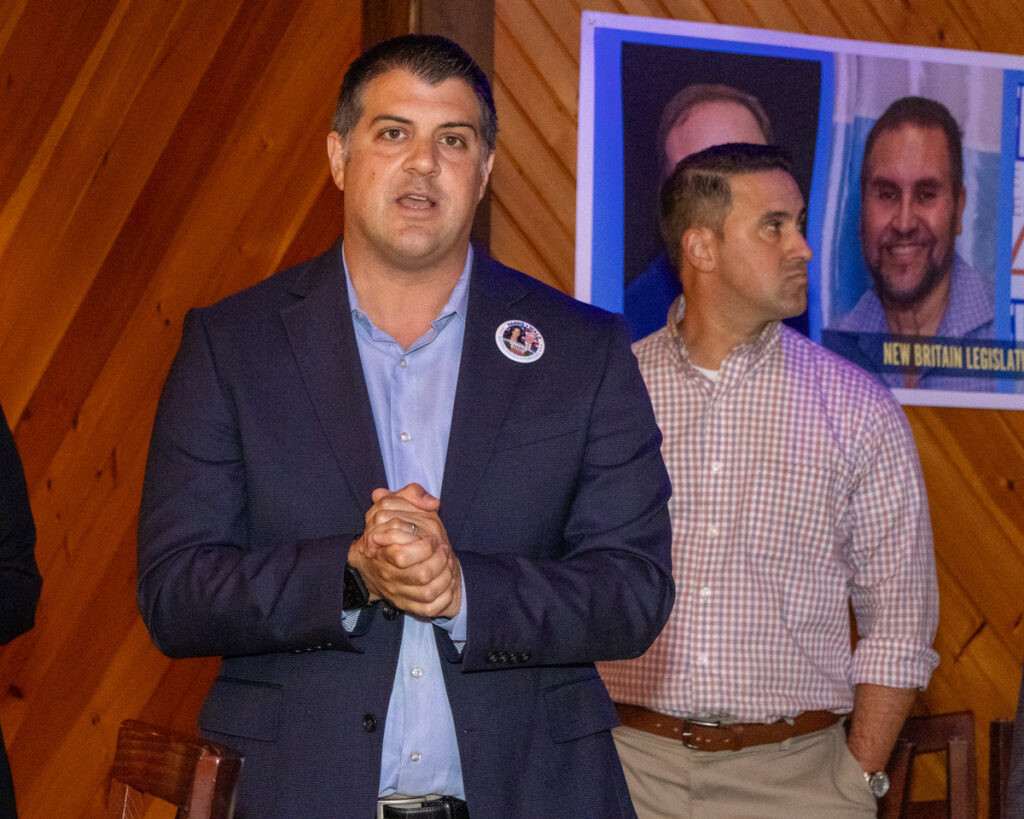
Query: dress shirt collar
point(458, 301)
point(741, 360)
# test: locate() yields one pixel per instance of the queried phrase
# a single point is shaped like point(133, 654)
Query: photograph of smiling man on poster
point(913, 218)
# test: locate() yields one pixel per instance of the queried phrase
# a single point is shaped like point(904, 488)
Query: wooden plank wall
point(156, 155)
point(159, 155)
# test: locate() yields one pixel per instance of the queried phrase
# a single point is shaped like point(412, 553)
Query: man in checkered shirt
point(796, 491)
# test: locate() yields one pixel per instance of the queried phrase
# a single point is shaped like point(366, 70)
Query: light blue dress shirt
point(412, 393)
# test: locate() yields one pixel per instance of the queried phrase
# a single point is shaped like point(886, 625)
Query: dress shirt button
point(713, 530)
point(405, 436)
point(390, 611)
point(403, 363)
point(415, 756)
point(716, 467)
point(702, 659)
point(705, 593)
point(369, 723)
point(417, 672)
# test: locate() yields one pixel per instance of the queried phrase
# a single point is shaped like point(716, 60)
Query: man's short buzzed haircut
point(924, 113)
point(699, 194)
point(429, 57)
point(678, 108)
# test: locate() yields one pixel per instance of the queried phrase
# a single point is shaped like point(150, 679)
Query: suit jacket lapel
point(320, 332)
point(486, 389)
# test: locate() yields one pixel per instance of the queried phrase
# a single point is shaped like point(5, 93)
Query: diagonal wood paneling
point(173, 154)
point(159, 155)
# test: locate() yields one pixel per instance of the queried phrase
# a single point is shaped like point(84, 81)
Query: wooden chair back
point(197, 776)
point(952, 734)
point(891, 805)
point(1000, 734)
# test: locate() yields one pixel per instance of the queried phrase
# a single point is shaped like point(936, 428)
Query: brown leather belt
point(712, 735)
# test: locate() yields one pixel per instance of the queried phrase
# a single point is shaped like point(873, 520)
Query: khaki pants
point(801, 778)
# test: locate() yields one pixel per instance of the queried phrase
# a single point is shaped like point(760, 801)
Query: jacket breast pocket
point(519, 432)
point(243, 708)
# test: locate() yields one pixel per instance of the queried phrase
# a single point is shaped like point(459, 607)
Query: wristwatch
point(878, 783)
point(354, 595)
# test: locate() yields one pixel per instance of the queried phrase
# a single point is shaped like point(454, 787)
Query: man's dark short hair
point(685, 100)
point(429, 57)
point(924, 113)
point(698, 193)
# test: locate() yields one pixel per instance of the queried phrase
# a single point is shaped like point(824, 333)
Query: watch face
point(878, 783)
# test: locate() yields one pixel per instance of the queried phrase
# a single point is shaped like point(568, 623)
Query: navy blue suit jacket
point(20, 582)
point(261, 465)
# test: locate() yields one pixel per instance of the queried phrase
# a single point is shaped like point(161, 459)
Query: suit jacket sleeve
point(1015, 785)
point(600, 587)
point(20, 582)
point(207, 586)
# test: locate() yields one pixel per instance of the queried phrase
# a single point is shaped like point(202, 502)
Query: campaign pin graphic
point(519, 341)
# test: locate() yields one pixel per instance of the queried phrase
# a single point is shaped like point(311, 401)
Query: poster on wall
point(911, 161)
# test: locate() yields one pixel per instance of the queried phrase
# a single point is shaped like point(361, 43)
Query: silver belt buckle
point(402, 802)
point(706, 721)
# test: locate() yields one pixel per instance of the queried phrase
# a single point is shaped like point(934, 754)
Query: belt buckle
point(402, 802)
point(707, 721)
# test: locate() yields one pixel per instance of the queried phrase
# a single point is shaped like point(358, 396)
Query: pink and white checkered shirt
point(796, 487)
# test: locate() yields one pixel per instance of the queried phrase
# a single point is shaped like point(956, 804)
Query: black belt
point(447, 807)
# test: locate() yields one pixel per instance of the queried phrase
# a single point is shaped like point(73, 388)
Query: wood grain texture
point(193, 774)
point(173, 154)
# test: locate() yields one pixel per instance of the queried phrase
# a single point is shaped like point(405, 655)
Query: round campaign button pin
point(519, 341)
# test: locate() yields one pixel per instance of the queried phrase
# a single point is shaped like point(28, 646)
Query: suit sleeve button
point(369, 723)
point(391, 611)
point(492, 657)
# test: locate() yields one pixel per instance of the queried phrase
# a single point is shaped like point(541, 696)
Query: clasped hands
point(404, 554)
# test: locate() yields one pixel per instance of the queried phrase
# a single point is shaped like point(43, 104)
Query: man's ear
point(700, 248)
point(485, 174)
point(336, 158)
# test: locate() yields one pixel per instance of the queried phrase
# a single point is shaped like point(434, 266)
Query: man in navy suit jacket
point(388, 645)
